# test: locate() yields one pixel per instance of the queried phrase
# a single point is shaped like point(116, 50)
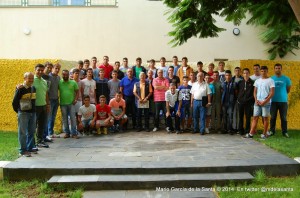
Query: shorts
point(101, 122)
point(208, 110)
point(86, 123)
point(263, 111)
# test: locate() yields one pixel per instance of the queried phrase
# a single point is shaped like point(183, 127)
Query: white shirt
point(190, 83)
point(263, 87)
point(199, 90)
point(87, 112)
point(173, 98)
point(89, 87)
point(254, 77)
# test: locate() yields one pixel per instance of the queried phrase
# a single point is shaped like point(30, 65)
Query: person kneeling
point(104, 118)
point(87, 116)
point(118, 107)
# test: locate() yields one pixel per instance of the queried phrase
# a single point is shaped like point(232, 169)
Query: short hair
point(57, 65)
point(65, 70)
point(94, 57)
point(278, 64)
point(199, 63)
point(117, 62)
point(114, 72)
point(80, 62)
point(106, 57)
point(216, 72)
point(206, 75)
point(256, 65)
point(39, 65)
point(211, 64)
point(237, 68)
point(227, 72)
point(246, 69)
point(48, 63)
point(86, 61)
point(175, 57)
point(172, 84)
point(138, 59)
point(75, 70)
point(172, 67)
point(162, 58)
point(118, 92)
point(102, 96)
point(142, 73)
point(101, 69)
point(26, 74)
point(152, 61)
point(264, 68)
point(89, 69)
point(184, 58)
point(222, 62)
point(86, 96)
point(125, 58)
point(185, 77)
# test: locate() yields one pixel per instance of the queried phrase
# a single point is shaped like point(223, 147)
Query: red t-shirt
point(102, 112)
point(210, 76)
point(107, 70)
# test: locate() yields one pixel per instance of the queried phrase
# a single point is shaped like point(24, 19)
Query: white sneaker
point(207, 130)
point(155, 129)
point(263, 137)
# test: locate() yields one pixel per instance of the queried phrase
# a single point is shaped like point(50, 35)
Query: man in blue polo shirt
point(126, 87)
point(279, 100)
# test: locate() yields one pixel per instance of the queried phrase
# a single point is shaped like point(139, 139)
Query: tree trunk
point(295, 4)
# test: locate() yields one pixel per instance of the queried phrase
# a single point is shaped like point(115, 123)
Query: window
point(56, 3)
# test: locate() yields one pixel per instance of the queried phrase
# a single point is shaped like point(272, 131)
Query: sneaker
point(98, 131)
point(270, 133)
point(155, 129)
point(75, 136)
point(34, 149)
point(104, 130)
point(286, 135)
point(67, 135)
point(168, 130)
point(248, 135)
point(43, 144)
point(25, 154)
point(207, 130)
point(48, 139)
point(263, 137)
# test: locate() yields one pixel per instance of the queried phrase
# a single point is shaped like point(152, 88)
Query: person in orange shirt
point(184, 70)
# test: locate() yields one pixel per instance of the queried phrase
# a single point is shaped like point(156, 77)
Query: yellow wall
point(13, 70)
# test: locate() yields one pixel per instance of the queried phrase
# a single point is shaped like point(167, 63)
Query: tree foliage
point(195, 18)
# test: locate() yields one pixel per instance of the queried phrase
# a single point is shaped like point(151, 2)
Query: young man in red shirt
point(104, 118)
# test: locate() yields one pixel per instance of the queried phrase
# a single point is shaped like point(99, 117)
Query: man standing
point(161, 85)
point(280, 100)
point(138, 68)
point(89, 87)
point(221, 71)
point(163, 66)
point(42, 104)
point(68, 90)
point(200, 90)
point(106, 67)
point(216, 103)
point(24, 104)
point(125, 66)
point(264, 88)
point(185, 69)
point(172, 78)
point(200, 68)
point(95, 68)
point(256, 75)
point(175, 65)
point(245, 101)
point(120, 74)
point(126, 87)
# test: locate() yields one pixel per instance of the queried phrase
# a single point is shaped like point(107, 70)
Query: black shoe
point(202, 133)
point(139, 129)
point(148, 130)
point(48, 140)
point(248, 135)
point(43, 144)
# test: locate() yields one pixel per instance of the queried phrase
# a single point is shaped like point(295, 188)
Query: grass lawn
point(288, 146)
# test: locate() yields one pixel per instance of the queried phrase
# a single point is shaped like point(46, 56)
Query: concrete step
point(158, 182)
point(148, 194)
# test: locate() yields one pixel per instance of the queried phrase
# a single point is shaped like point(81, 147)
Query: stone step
point(149, 194)
point(158, 182)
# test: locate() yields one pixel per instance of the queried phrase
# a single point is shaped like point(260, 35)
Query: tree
point(195, 18)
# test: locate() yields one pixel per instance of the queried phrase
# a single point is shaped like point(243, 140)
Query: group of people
point(99, 98)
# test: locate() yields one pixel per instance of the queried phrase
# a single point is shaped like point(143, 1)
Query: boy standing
point(185, 91)
point(89, 86)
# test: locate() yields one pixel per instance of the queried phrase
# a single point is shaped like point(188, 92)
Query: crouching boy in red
point(104, 118)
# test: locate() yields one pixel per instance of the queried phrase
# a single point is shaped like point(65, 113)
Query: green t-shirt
point(41, 91)
point(67, 91)
point(138, 70)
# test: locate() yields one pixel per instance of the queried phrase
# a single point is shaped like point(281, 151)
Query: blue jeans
point(26, 128)
point(52, 115)
point(199, 111)
point(282, 107)
point(227, 116)
point(69, 110)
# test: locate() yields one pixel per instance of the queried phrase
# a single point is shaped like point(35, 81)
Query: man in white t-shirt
point(264, 88)
point(89, 86)
point(87, 116)
point(256, 75)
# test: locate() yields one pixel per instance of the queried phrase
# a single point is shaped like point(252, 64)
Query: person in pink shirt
point(118, 107)
point(161, 85)
point(106, 67)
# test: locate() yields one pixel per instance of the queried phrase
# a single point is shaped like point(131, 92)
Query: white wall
point(136, 28)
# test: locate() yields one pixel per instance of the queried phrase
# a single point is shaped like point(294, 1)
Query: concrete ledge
point(2, 165)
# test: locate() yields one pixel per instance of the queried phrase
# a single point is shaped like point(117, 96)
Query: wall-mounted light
point(236, 31)
point(26, 31)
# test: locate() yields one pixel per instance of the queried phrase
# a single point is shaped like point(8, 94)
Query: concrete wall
point(134, 28)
